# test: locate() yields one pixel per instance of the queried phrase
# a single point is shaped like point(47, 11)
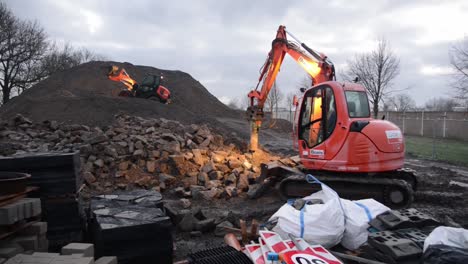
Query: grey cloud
point(224, 43)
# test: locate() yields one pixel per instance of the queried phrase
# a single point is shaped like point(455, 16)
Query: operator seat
point(352, 109)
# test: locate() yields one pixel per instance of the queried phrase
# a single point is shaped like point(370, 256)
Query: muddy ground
point(442, 193)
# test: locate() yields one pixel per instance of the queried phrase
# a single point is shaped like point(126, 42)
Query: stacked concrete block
point(31, 238)
point(49, 258)
point(20, 210)
point(9, 250)
point(27, 242)
point(73, 253)
point(56, 175)
point(132, 226)
point(106, 260)
point(87, 250)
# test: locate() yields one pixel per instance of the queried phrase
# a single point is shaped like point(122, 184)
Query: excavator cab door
point(317, 120)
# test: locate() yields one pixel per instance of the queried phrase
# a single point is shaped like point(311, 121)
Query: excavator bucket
point(112, 70)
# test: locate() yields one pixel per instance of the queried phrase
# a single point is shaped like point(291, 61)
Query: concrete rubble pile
point(159, 154)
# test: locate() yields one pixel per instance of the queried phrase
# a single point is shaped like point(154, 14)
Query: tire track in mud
point(442, 190)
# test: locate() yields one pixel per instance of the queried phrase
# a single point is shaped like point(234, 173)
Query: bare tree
point(289, 104)
point(26, 57)
point(459, 61)
point(23, 44)
point(401, 102)
point(274, 98)
point(305, 82)
point(59, 58)
point(441, 104)
point(376, 70)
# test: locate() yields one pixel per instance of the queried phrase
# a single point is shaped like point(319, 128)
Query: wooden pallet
point(11, 198)
point(7, 231)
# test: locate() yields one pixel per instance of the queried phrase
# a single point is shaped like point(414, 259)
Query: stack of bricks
point(19, 227)
point(73, 253)
point(57, 176)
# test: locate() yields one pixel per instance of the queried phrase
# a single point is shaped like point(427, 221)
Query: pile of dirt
point(84, 95)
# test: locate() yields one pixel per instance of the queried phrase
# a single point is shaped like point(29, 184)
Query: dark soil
point(84, 95)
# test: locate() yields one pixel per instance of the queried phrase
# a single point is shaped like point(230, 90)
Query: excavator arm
point(315, 64)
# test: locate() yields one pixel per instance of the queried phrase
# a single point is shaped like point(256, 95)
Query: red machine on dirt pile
point(337, 139)
point(149, 88)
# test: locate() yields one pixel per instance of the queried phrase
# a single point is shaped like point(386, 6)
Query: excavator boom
point(316, 65)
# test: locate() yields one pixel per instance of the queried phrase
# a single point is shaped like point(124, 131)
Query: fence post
point(433, 138)
point(404, 116)
point(422, 123)
point(444, 125)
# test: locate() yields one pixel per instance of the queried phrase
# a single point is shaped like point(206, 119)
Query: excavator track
point(394, 188)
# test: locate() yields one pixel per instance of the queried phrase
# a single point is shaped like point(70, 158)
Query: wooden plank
point(11, 198)
point(15, 228)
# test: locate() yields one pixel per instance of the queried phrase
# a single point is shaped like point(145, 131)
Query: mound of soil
point(84, 95)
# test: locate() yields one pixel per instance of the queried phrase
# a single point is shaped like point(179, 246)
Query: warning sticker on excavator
point(394, 136)
point(317, 152)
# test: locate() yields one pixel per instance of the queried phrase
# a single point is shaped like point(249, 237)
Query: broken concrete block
point(86, 249)
point(223, 228)
point(106, 260)
point(187, 223)
point(196, 234)
point(205, 225)
point(210, 194)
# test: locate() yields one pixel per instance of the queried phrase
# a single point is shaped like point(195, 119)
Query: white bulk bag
point(449, 236)
point(358, 215)
point(321, 224)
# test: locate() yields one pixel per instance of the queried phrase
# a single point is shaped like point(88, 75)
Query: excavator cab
point(151, 88)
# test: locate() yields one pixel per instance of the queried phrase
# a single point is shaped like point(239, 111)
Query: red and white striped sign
point(317, 250)
point(274, 241)
point(324, 253)
point(265, 249)
point(290, 244)
point(255, 253)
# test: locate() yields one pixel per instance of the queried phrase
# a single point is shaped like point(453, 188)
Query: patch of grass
point(452, 151)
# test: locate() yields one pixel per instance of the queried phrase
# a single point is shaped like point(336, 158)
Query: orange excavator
point(149, 88)
point(337, 139)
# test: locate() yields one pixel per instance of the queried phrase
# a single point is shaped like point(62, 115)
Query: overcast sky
point(223, 44)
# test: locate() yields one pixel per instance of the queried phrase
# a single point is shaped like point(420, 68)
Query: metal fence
point(449, 125)
point(446, 125)
point(434, 135)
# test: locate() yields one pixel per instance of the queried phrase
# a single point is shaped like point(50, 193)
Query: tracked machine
point(337, 140)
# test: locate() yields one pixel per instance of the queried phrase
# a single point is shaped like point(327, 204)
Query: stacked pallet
point(132, 226)
point(57, 176)
point(20, 228)
point(73, 253)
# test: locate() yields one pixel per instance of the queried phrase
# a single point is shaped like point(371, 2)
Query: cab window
point(358, 105)
point(318, 116)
